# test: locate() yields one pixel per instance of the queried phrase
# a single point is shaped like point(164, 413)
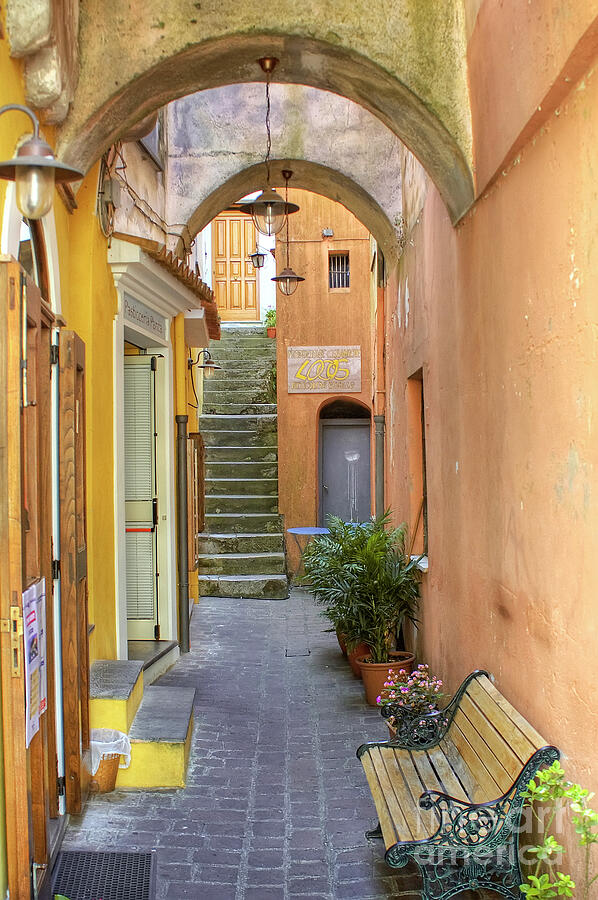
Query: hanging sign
point(34, 638)
point(324, 370)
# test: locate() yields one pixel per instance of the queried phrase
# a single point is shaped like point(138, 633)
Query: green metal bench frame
point(476, 845)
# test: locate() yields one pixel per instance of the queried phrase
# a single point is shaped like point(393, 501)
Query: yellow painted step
point(160, 739)
point(116, 690)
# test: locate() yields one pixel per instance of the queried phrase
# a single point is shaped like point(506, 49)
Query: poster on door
point(34, 640)
point(324, 370)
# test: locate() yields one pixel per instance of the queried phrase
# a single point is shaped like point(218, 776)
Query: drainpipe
point(181, 480)
point(379, 465)
point(181, 445)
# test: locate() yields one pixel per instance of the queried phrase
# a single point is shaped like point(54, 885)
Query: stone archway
point(216, 150)
point(404, 62)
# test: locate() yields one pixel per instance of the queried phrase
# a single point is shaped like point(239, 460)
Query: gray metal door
point(345, 470)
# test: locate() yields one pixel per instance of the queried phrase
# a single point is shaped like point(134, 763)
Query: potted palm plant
point(270, 322)
point(369, 587)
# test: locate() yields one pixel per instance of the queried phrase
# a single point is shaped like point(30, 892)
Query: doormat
point(82, 875)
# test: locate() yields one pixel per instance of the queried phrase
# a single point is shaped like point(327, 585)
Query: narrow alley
point(276, 803)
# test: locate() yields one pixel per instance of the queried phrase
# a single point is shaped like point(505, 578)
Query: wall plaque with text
point(323, 370)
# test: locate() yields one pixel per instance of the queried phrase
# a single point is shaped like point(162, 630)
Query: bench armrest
point(419, 732)
point(477, 826)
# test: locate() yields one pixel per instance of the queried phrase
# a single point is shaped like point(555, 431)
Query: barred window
point(338, 270)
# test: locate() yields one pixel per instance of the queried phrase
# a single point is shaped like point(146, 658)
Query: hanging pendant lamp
point(287, 281)
point(268, 211)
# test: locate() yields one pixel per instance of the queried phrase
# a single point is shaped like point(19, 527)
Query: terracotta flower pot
point(341, 642)
point(271, 332)
point(374, 674)
point(352, 656)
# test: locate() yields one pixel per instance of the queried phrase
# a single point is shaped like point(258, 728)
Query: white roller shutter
point(139, 432)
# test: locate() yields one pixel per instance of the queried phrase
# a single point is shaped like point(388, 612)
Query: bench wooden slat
point(388, 830)
point(535, 739)
point(485, 755)
point(460, 769)
point(503, 722)
point(502, 751)
point(484, 786)
point(420, 821)
point(448, 778)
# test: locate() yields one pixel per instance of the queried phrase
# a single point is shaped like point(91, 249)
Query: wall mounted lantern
point(268, 211)
point(208, 365)
point(287, 281)
point(35, 170)
point(258, 257)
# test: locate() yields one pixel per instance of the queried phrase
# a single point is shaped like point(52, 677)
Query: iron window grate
point(83, 875)
point(338, 270)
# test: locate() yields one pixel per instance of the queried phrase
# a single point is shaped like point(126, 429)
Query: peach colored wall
point(503, 318)
point(314, 316)
point(523, 59)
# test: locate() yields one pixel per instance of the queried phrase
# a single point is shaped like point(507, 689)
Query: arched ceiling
point(216, 142)
point(403, 60)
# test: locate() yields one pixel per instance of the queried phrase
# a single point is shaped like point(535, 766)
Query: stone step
point(244, 340)
point(238, 393)
point(241, 543)
point(242, 503)
point(241, 438)
point(254, 563)
point(243, 523)
point(259, 587)
point(240, 453)
point(257, 486)
point(160, 738)
point(234, 331)
point(241, 353)
point(253, 422)
point(239, 366)
point(115, 692)
point(228, 408)
point(242, 470)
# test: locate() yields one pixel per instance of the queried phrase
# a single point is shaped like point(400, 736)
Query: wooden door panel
point(74, 569)
point(235, 279)
point(19, 841)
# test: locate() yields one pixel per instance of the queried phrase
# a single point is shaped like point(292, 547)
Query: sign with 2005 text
point(323, 370)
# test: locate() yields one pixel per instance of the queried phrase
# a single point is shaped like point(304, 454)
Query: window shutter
point(139, 434)
point(141, 583)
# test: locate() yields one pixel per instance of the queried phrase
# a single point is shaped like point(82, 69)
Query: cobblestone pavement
point(276, 802)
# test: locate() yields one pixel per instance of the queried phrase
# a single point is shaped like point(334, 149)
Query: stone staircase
point(242, 548)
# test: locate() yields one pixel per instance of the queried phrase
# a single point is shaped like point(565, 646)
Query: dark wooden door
point(73, 570)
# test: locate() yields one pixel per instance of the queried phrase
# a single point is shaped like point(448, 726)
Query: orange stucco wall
point(316, 316)
point(503, 318)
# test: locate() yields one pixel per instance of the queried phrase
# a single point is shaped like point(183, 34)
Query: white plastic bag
point(104, 741)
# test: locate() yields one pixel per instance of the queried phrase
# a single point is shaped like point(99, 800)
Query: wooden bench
point(447, 789)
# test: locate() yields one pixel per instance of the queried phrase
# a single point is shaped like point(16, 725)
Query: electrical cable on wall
point(110, 161)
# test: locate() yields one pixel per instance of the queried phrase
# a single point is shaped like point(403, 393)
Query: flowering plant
point(416, 694)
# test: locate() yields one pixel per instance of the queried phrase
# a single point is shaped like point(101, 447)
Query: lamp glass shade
point(287, 281)
point(269, 212)
point(208, 369)
point(34, 190)
point(257, 258)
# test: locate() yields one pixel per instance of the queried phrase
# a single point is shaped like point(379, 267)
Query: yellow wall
point(89, 304)
point(12, 125)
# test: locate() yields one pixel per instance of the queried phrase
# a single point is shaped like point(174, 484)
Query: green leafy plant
point(365, 581)
point(551, 789)
point(270, 317)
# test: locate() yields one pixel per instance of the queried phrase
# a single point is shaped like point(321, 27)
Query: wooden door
point(31, 776)
point(235, 281)
point(73, 570)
